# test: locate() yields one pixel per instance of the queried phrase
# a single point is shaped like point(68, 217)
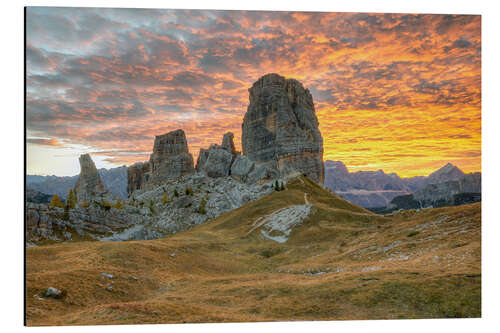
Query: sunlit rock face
point(170, 160)
point(280, 128)
point(89, 186)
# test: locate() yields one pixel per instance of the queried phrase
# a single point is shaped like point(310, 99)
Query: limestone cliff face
point(170, 160)
point(280, 128)
point(216, 161)
point(137, 175)
point(89, 186)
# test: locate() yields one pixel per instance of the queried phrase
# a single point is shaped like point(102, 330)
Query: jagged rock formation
point(216, 161)
point(444, 174)
point(137, 175)
point(89, 186)
point(94, 221)
point(181, 211)
point(444, 191)
point(114, 179)
point(170, 160)
point(376, 189)
point(280, 128)
point(241, 168)
point(447, 193)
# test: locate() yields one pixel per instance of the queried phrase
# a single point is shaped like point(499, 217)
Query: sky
point(397, 92)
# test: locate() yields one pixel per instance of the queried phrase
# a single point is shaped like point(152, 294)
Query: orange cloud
point(399, 92)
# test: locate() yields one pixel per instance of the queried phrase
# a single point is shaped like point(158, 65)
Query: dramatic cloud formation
point(395, 92)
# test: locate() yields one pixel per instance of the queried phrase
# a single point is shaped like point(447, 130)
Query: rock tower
point(89, 186)
point(170, 160)
point(280, 128)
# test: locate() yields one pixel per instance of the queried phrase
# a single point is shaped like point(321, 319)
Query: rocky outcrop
point(445, 191)
point(89, 186)
point(448, 193)
point(241, 168)
point(280, 128)
point(94, 221)
point(137, 176)
point(444, 174)
point(216, 161)
point(202, 158)
point(170, 160)
point(114, 179)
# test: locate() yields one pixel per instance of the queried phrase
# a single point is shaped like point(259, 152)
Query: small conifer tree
point(164, 200)
point(151, 207)
point(276, 186)
point(282, 188)
point(71, 199)
point(56, 201)
point(176, 194)
point(203, 209)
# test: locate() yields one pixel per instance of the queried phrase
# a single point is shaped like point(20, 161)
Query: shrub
point(189, 190)
point(164, 200)
point(176, 194)
point(282, 188)
point(118, 204)
point(276, 186)
point(151, 207)
point(56, 201)
point(203, 209)
point(85, 204)
point(413, 233)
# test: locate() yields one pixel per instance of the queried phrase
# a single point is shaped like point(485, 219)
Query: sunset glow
point(396, 92)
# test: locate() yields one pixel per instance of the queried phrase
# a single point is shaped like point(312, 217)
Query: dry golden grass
point(424, 264)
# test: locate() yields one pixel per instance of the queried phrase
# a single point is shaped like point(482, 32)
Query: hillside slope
point(298, 254)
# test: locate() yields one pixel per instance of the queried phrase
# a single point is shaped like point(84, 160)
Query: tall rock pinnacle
point(280, 128)
point(89, 185)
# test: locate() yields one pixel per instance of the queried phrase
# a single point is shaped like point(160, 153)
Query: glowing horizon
point(397, 92)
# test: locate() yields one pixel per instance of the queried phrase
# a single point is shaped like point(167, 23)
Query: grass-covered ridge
point(342, 262)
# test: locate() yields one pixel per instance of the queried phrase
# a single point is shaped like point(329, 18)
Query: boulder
point(280, 128)
point(218, 163)
point(53, 292)
point(241, 168)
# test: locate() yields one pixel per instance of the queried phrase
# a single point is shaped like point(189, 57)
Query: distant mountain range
point(115, 179)
point(369, 189)
point(372, 189)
